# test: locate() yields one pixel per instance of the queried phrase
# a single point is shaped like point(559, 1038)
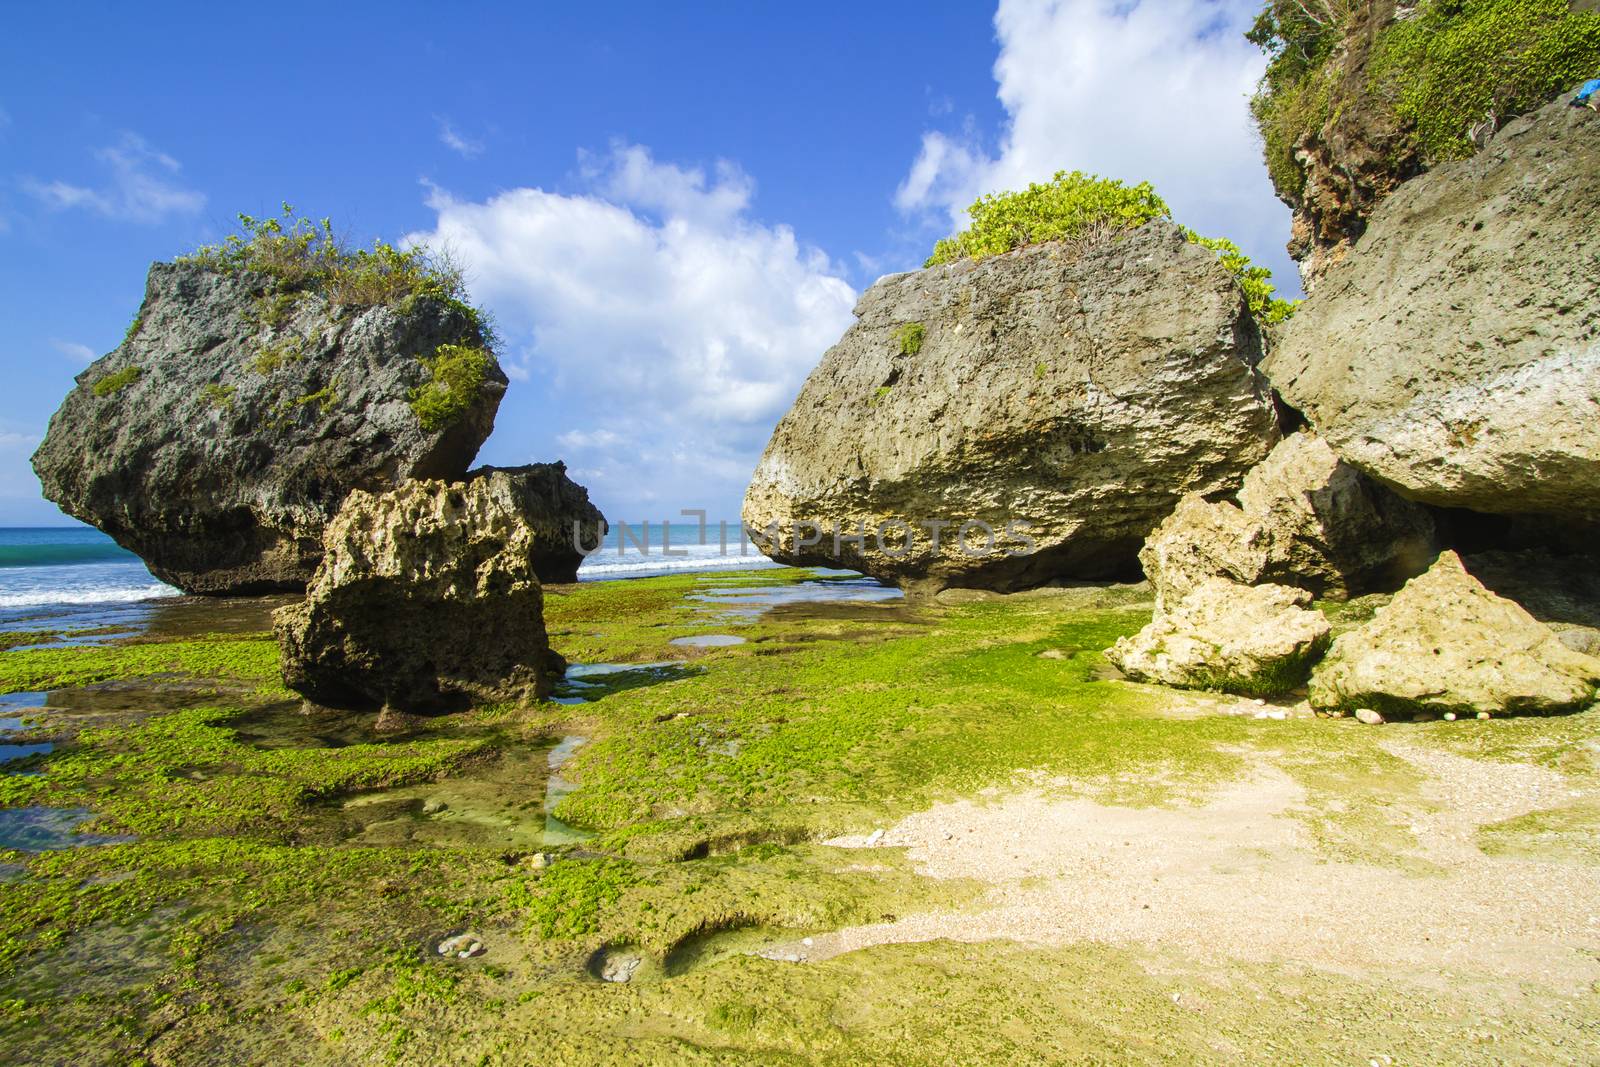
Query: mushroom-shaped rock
point(227, 428)
point(1000, 423)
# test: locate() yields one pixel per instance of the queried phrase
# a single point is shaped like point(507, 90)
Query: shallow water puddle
point(708, 641)
point(16, 752)
point(49, 829)
point(591, 681)
point(499, 803)
point(738, 601)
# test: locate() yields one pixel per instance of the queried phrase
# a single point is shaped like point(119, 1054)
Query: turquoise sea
point(52, 573)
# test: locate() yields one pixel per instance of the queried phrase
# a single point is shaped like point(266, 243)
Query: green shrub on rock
point(455, 377)
point(1075, 206)
point(118, 381)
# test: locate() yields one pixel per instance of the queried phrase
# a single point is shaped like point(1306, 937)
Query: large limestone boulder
point(561, 522)
point(1256, 640)
point(1071, 392)
point(1303, 518)
point(1454, 354)
point(1447, 644)
point(224, 432)
point(427, 596)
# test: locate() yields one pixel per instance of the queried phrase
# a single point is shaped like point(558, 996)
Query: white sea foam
point(51, 597)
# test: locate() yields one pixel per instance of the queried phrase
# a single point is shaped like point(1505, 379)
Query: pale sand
point(1240, 877)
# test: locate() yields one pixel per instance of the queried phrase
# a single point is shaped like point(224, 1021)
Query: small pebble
point(538, 861)
point(462, 946)
point(1483, 714)
point(433, 806)
point(1449, 716)
point(1368, 716)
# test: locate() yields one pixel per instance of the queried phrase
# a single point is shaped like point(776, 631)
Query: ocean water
point(639, 550)
point(77, 576)
point(50, 572)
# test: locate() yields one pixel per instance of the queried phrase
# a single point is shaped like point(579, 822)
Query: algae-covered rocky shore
point(1145, 668)
point(1138, 875)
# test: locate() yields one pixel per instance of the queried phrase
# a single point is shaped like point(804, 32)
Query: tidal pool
point(49, 829)
point(708, 641)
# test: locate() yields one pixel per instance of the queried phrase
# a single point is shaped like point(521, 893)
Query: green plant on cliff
point(118, 381)
point(1071, 206)
point(299, 254)
point(1079, 206)
point(909, 338)
point(1432, 75)
point(455, 378)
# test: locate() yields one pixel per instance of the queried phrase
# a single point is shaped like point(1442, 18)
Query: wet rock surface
point(1445, 643)
point(426, 597)
point(216, 446)
point(1078, 391)
point(1304, 518)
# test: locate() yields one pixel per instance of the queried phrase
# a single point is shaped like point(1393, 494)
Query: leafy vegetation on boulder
point(118, 381)
point(1360, 96)
point(456, 374)
point(1075, 206)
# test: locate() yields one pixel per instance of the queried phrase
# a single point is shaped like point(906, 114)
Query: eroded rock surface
point(1076, 391)
point(1447, 644)
point(1304, 519)
point(1454, 354)
point(427, 596)
point(1256, 640)
point(222, 434)
point(556, 510)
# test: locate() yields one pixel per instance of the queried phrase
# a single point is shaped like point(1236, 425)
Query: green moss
point(456, 374)
point(909, 338)
point(278, 353)
point(114, 383)
point(567, 900)
point(217, 395)
point(251, 659)
point(325, 399)
point(133, 328)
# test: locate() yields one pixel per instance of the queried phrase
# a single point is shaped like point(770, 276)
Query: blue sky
point(670, 208)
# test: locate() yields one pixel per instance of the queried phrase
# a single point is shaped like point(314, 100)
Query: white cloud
point(673, 329)
point(74, 351)
point(1141, 90)
point(141, 186)
point(456, 142)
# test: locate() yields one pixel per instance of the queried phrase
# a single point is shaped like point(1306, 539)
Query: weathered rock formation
point(1256, 640)
point(1304, 519)
point(555, 509)
point(1077, 391)
point(229, 426)
point(426, 597)
point(1445, 644)
point(1454, 355)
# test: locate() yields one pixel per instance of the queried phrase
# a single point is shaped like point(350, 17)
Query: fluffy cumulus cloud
point(662, 327)
point(141, 185)
point(1147, 90)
